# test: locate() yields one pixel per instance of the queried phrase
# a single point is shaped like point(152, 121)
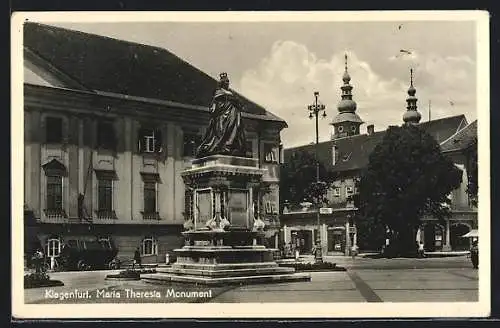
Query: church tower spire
point(346, 104)
point(412, 116)
point(347, 122)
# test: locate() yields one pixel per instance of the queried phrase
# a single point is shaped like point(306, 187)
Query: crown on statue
point(223, 76)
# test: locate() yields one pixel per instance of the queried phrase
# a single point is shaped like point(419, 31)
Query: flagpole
point(429, 110)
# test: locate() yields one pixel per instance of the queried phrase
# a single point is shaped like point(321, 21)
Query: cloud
point(284, 82)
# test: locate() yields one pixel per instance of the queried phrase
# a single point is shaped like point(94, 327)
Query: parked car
point(79, 254)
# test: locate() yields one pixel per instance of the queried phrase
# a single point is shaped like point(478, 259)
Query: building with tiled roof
point(462, 140)
point(109, 127)
point(347, 155)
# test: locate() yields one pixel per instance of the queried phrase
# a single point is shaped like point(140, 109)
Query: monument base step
point(167, 278)
point(223, 266)
point(227, 273)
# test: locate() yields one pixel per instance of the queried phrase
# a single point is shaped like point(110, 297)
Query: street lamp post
point(314, 111)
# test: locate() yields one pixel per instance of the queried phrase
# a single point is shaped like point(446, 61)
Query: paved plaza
point(366, 280)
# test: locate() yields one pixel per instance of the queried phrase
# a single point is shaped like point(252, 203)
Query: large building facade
point(109, 127)
point(347, 153)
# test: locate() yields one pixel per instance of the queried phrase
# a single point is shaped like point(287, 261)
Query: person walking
point(137, 259)
point(354, 251)
point(474, 255)
point(421, 251)
point(38, 261)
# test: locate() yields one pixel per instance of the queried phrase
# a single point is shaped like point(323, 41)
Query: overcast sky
point(280, 65)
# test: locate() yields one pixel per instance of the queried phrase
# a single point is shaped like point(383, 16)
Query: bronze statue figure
point(225, 134)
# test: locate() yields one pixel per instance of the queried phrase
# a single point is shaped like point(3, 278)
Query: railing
point(55, 213)
point(345, 205)
point(151, 216)
point(106, 215)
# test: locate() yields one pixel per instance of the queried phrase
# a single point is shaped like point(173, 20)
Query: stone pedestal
point(223, 243)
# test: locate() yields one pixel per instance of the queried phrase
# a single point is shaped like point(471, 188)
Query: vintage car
point(79, 254)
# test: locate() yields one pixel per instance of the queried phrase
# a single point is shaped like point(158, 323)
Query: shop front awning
point(471, 234)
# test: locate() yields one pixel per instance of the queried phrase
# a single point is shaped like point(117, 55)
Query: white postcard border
point(249, 310)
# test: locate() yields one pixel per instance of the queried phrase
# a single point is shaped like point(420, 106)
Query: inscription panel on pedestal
point(203, 207)
point(238, 207)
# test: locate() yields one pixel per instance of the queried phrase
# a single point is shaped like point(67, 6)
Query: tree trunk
point(405, 244)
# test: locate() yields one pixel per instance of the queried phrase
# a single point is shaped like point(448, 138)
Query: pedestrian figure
point(137, 259)
point(354, 251)
point(287, 250)
point(421, 251)
point(38, 261)
point(474, 255)
point(297, 253)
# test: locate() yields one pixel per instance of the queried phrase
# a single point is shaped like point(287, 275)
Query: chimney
point(370, 129)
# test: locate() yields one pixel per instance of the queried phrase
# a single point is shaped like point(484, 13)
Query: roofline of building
point(380, 131)
point(36, 59)
point(333, 140)
point(276, 118)
point(458, 131)
point(151, 101)
point(451, 137)
point(444, 118)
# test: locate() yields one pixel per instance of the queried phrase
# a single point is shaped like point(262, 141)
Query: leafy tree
point(298, 180)
point(407, 178)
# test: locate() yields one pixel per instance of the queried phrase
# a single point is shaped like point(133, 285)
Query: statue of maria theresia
point(225, 134)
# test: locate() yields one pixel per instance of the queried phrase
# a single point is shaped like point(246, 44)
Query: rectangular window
point(54, 193)
point(270, 153)
point(191, 142)
point(336, 192)
point(269, 209)
point(105, 195)
point(249, 149)
point(149, 197)
point(150, 140)
point(106, 137)
point(54, 129)
point(349, 190)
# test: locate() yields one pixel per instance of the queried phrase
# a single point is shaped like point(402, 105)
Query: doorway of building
point(433, 237)
point(336, 240)
point(302, 239)
point(458, 243)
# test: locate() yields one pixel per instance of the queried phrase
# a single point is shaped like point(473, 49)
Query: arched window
point(53, 247)
point(149, 246)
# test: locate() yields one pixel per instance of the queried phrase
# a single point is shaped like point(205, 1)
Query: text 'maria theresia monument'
point(223, 232)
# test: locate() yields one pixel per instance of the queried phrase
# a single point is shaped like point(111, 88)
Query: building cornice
point(110, 104)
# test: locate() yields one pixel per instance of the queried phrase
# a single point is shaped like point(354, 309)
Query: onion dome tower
point(347, 122)
point(412, 116)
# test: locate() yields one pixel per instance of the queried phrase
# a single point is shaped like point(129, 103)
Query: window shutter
point(140, 140)
point(158, 141)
